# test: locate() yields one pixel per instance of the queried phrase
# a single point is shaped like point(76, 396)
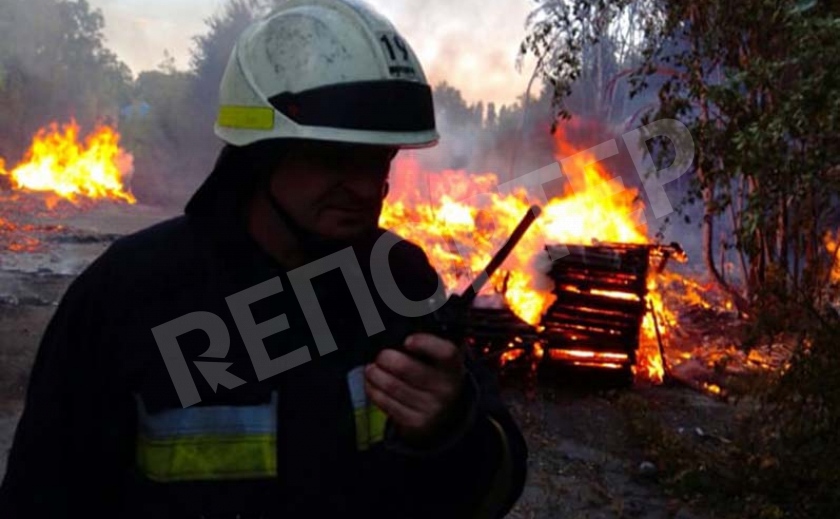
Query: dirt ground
point(581, 464)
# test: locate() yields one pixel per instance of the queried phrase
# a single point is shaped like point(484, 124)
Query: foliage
point(585, 45)
point(781, 462)
point(212, 50)
point(54, 65)
point(157, 134)
point(174, 145)
point(756, 84)
point(689, 469)
point(483, 138)
point(794, 452)
point(758, 91)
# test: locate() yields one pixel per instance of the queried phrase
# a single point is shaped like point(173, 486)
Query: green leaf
point(803, 6)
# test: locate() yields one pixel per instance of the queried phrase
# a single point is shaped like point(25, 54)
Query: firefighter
point(241, 360)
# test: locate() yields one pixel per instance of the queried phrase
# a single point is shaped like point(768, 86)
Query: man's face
point(334, 190)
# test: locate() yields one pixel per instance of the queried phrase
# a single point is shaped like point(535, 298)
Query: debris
point(12, 300)
point(82, 237)
point(647, 469)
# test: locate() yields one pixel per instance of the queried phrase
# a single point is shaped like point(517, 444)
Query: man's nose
point(369, 185)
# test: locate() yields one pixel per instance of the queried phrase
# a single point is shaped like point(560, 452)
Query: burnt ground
point(583, 462)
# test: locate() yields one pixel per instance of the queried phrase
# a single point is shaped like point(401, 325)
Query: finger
point(440, 350)
point(398, 390)
point(418, 374)
point(401, 415)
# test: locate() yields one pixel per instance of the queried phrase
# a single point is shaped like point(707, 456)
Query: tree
point(756, 84)
point(758, 89)
point(585, 45)
point(212, 50)
point(175, 146)
point(158, 134)
point(450, 106)
point(491, 118)
point(209, 59)
point(55, 66)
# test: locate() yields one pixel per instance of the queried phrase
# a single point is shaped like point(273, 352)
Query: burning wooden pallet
point(498, 334)
point(596, 319)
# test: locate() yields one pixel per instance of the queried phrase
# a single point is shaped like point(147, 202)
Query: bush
point(783, 460)
point(796, 431)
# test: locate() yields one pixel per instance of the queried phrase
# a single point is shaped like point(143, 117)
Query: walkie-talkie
point(450, 320)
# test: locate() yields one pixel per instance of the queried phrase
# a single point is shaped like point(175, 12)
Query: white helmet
point(333, 70)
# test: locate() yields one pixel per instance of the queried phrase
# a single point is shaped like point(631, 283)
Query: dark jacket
point(104, 434)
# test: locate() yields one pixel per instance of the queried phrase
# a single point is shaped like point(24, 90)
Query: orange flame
point(58, 163)
point(832, 245)
point(587, 356)
point(510, 356)
point(460, 219)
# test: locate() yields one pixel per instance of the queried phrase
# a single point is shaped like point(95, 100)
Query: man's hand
point(418, 390)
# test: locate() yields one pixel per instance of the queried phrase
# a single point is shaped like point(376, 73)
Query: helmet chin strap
point(312, 244)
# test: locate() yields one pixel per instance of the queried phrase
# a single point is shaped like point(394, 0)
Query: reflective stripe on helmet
point(246, 117)
point(208, 443)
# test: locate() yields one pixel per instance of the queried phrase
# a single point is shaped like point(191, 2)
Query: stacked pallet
point(597, 316)
point(494, 331)
point(600, 302)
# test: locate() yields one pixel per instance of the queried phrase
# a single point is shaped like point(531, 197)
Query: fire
point(59, 163)
point(17, 238)
point(594, 206)
point(463, 228)
point(460, 219)
point(832, 245)
point(656, 322)
point(510, 356)
point(589, 357)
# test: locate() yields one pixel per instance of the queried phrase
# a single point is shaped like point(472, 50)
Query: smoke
point(471, 44)
point(140, 31)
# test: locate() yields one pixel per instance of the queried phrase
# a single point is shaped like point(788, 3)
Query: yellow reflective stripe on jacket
point(370, 420)
point(208, 442)
point(376, 423)
point(246, 117)
point(194, 458)
point(370, 426)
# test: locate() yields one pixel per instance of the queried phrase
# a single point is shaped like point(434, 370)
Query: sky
point(471, 44)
